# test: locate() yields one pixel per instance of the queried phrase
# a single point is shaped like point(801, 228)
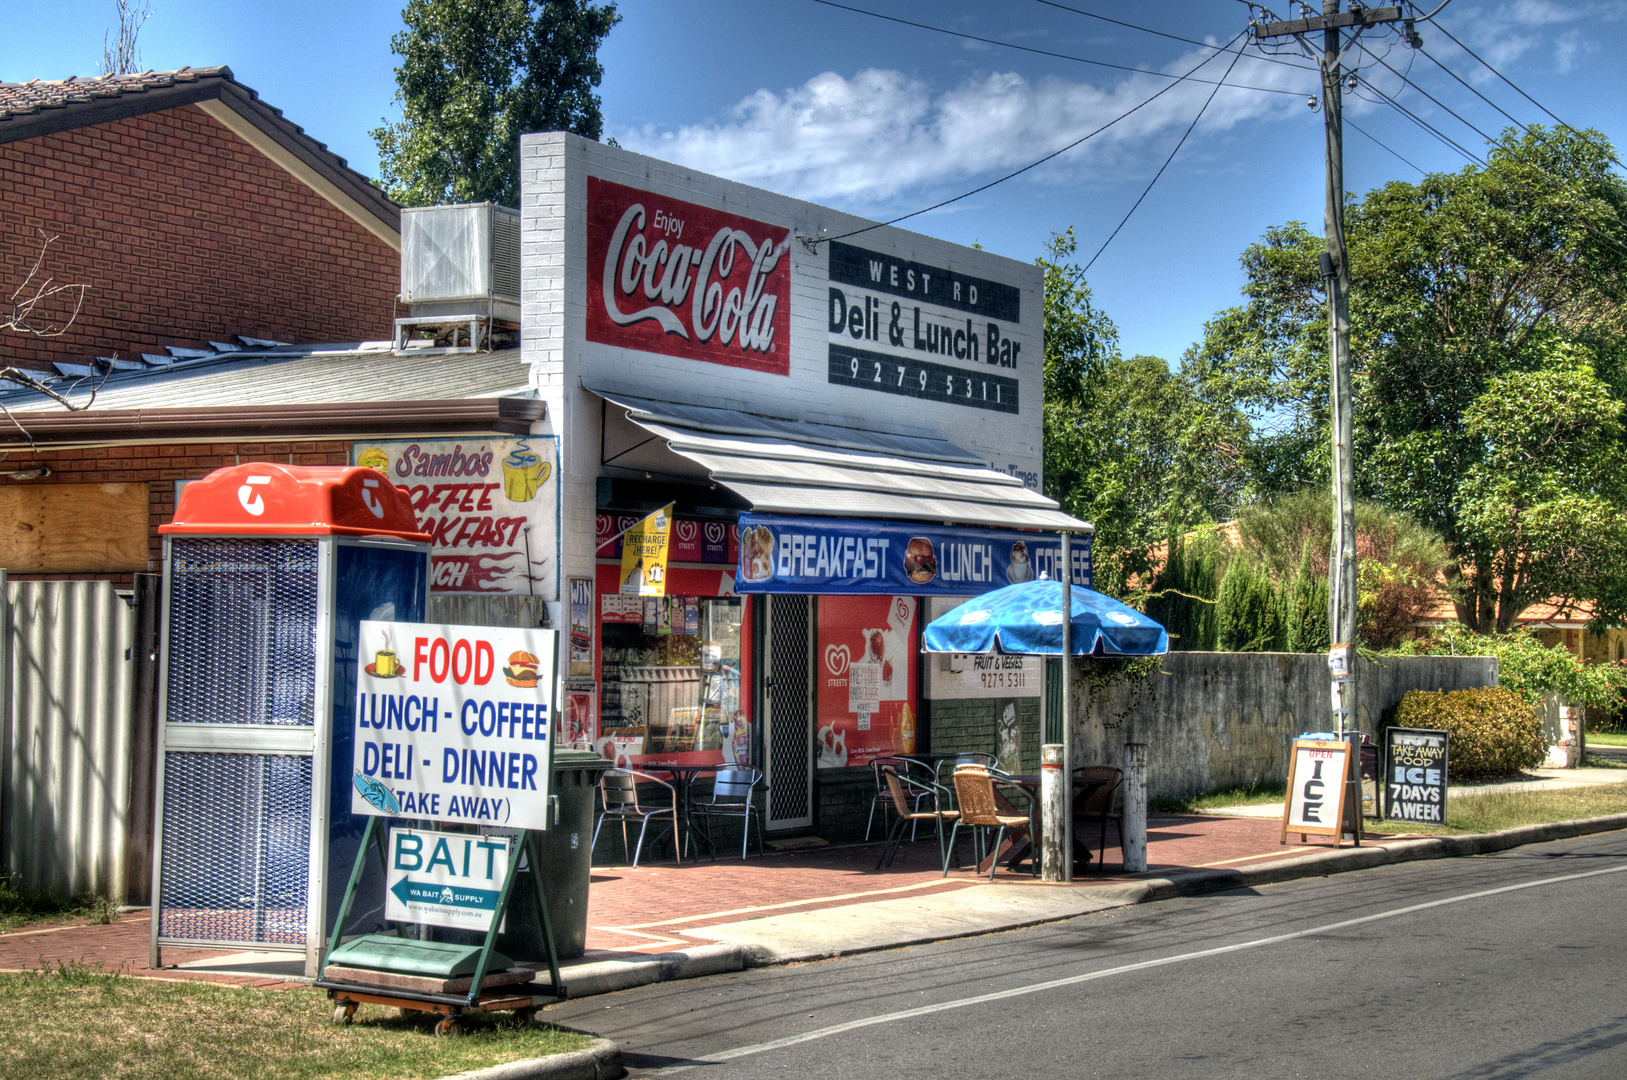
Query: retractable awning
point(800, 467)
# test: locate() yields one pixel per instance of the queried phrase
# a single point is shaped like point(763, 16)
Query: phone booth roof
point(263, 499)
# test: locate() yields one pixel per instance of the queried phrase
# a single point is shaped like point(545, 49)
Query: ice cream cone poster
point(644, 555)
point(867, 679)
point(491, 507)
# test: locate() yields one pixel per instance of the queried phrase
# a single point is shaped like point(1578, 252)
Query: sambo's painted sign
point(453, 722)
point(826, 555)
point(671, 277)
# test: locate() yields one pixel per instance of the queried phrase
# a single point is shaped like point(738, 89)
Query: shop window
point(671, 681)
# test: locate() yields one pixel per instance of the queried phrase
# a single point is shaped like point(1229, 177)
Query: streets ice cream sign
point(670, 277)
point(491, 508)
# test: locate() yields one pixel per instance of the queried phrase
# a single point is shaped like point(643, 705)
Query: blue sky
point(882, 119)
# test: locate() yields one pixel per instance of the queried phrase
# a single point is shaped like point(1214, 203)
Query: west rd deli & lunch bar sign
point(453, 722)
point(825, 555)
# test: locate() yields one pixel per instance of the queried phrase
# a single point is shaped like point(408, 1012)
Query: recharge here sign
point(453, 723)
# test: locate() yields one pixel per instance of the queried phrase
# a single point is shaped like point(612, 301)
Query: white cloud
point(869, 137)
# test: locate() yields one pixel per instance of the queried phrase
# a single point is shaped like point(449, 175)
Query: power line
point(1044, 52)
point(1035, 164)
point(1382, 146)
point(1162, 34)
point(1238, 55)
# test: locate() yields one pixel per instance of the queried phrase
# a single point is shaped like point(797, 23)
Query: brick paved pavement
point(647, 910)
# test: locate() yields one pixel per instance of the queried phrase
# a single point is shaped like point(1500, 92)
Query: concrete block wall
point(184, 233)
point(1216, 721)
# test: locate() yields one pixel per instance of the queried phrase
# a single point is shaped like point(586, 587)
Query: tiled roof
point(17, 99)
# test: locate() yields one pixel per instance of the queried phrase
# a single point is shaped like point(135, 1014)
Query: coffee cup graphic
point(523, 474)
point(384, 664)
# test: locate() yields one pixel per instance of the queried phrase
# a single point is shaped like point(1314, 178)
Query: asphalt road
point(1490, 968)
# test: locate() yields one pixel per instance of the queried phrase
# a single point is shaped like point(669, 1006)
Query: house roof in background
point(29, 110)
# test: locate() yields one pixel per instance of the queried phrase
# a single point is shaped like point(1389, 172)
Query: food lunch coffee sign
point(453, 723)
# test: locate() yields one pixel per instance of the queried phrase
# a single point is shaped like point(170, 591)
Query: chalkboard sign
point(1316, 789)
point(1415, 775)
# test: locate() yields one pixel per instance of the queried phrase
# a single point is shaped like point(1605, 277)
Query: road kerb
point(600, 1061)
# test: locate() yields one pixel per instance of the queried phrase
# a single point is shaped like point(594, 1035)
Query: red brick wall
point(184, 233)
point(160, 466)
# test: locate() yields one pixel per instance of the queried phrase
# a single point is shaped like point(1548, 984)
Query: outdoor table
point(683, 776)
point(1021, 842)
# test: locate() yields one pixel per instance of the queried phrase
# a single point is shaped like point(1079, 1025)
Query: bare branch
point(121, 57)
point(35, 292)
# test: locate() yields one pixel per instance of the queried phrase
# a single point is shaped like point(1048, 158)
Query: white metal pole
point(1067, 707)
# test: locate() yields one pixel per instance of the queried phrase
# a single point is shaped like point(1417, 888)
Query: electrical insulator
point(1351, 82)
point(1311, 101)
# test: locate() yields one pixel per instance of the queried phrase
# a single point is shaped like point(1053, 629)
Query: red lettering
point(418, 655)
point(485, 663)
point(462, 662)
point(485, 496)
point(439, 660)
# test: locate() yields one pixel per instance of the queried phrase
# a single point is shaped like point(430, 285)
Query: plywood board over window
point(73, 528)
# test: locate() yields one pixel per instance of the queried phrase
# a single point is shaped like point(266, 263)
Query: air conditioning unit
point(459, 264)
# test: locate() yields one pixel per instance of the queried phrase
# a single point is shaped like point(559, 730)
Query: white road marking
point(1072, 980)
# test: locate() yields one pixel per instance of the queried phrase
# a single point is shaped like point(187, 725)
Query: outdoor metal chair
point(883, 797)
point(907, 793)
point(966, 757)
point(974, 792)
point(618, 792)
point(731, 797)
point(1097, 806)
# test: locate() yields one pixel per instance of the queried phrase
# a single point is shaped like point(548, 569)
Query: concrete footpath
point(1534, 780)
point(666, 921)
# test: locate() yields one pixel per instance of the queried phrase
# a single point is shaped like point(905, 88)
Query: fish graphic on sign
point(376, 793)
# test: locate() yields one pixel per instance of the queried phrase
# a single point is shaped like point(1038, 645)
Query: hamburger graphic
point(920, 564)
point(521, 670)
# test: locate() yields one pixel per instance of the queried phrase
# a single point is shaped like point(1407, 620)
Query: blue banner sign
point(840, 556)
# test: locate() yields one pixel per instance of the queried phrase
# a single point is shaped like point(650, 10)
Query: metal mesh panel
point(242, 631)
point(237, 844)
point(789, 745)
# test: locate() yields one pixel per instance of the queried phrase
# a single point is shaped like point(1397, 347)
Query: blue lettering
point(449, 766)
point(464, 722)
point(370, 758)
point(530, 772)
point(488, 718)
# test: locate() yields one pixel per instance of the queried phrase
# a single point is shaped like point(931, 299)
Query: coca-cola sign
point(671, 277)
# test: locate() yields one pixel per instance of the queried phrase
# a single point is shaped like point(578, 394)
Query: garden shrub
point(1494, 731)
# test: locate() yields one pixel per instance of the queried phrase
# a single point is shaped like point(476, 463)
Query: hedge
point(1494, 731)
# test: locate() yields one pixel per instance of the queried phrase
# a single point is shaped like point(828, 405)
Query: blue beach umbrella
point(1027, 618)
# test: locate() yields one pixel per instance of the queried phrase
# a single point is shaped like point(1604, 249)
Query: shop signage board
point(959, 676)
point(781, 554)
point(445, 879)
point(1316, 788)
point(673, 277)
point(490, 506)
point(868, 666)
point(453, 723)
point(1415, 774)
point(581, 641)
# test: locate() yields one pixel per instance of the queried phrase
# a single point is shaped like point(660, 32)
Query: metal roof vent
point(460, 268)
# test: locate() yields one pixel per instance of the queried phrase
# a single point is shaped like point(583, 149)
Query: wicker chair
point(907, 794)
point(974, 792)
point(1097, 806)
point(883, 798)
point(618, 790)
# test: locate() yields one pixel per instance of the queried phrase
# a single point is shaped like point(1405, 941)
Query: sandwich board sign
point(1415, 774)
point(445, 879)
point(455, 723)
point(1315, 804)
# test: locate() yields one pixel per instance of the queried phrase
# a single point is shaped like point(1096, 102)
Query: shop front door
point(788, 732)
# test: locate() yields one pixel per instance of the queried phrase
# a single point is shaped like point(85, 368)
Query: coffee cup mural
point(523, 474)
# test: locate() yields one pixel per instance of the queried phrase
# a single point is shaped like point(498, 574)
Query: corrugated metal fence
point(70, 743)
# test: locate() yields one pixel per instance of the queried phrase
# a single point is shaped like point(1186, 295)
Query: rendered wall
point(1213, 721)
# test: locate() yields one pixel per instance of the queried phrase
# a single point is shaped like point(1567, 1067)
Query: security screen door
point(788, 739)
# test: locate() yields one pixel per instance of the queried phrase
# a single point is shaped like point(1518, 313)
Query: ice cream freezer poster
point(490, 506)
point(867, 675)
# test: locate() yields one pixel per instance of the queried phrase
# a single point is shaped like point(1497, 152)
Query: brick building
point(193, 212)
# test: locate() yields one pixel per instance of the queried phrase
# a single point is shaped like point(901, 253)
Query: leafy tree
point(1307, 604)
point(1128, 447)
point(1182, 594)
point(1471, 291)
point(1527, 666)
point(477, 74)
point(1249, 615)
